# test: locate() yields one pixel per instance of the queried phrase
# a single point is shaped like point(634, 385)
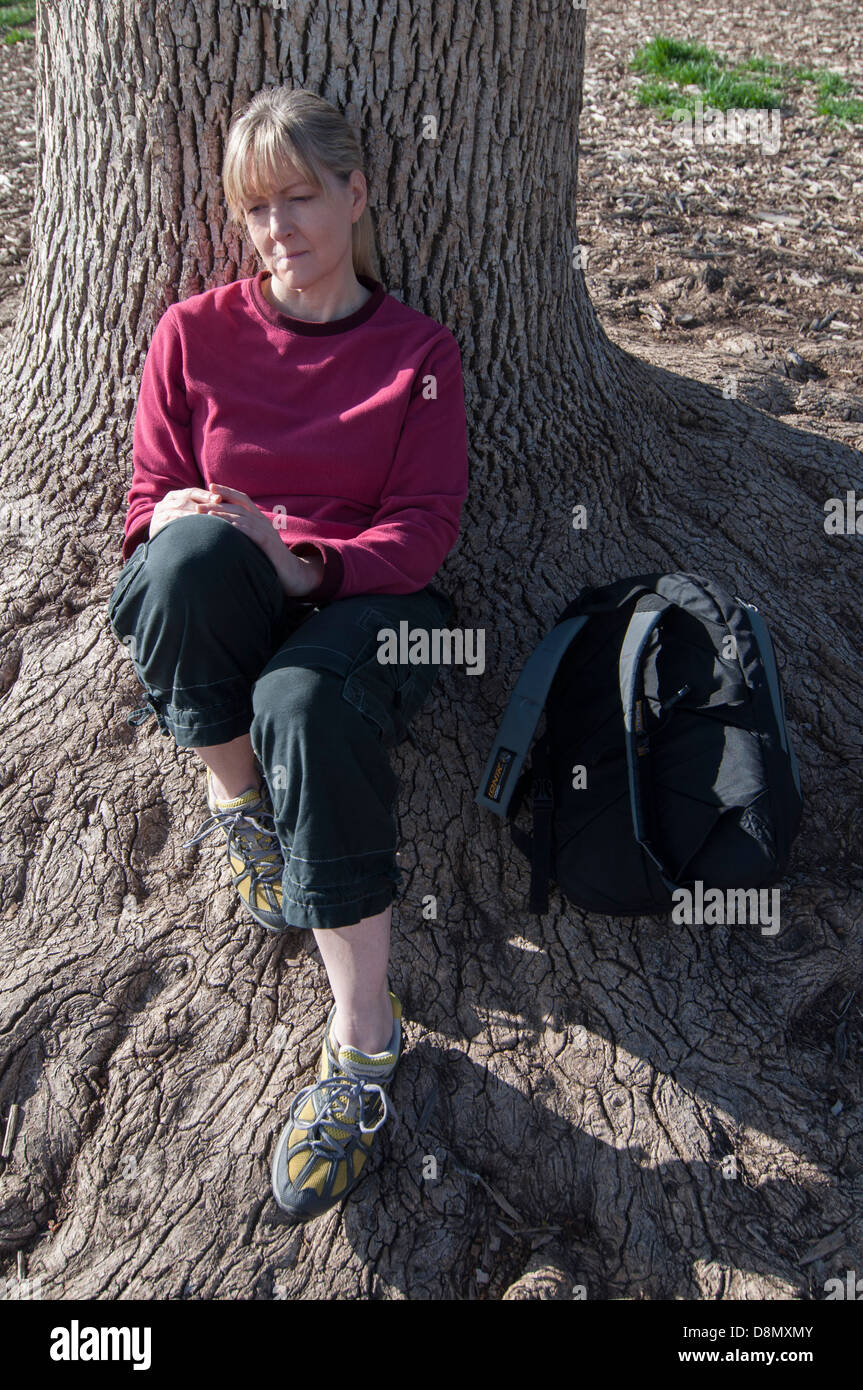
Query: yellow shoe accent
point(323, 1148)
point(253, 850)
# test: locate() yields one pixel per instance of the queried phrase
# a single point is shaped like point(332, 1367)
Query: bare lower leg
point(356, 959)
point(233, 767)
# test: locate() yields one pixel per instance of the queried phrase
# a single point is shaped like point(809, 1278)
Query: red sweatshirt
point(352, 433)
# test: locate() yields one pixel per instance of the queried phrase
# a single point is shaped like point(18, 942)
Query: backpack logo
point(499, 773)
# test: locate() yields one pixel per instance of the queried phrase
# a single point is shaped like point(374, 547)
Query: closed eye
point(259, 206)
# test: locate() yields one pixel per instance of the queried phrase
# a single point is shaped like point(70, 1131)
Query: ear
point(359, 189)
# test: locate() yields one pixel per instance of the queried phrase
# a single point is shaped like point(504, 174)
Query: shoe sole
point(274, 931)
point(268, 926)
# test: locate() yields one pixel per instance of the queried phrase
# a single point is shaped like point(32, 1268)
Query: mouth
point(294, 256)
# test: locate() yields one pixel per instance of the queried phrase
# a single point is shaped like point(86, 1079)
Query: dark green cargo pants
point(221, 651)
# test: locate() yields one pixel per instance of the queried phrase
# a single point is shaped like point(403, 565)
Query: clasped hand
point(299, 576)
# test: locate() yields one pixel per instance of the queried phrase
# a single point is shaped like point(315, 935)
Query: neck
point(319, 303)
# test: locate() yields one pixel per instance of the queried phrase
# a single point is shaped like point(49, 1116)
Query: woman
point(300, 465)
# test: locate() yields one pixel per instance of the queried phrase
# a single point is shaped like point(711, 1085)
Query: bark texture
point(631, 1108)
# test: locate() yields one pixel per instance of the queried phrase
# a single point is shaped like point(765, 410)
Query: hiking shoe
point(254, 852)
point(321, 1152)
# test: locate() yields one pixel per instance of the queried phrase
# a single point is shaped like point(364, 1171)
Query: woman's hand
point(184, 502)
point(299, 576)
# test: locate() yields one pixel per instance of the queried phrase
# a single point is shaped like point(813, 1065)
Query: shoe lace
point(250, 835)
point(344, 1105)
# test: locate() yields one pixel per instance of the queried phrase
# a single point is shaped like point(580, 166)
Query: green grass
point(681, 62)
point(760, 65)
point(12, 15)
point(849, 110)
point(669, 65)
point(830, 84)
point(731, 88)
point(833, 99)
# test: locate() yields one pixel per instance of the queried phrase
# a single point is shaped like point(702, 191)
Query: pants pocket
point(390, 694)
point(126, 576)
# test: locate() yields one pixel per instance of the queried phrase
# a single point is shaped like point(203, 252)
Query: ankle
point(234, 786)
point(369, 1029)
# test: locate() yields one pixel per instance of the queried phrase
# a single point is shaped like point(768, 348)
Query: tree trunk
point(674, 1108)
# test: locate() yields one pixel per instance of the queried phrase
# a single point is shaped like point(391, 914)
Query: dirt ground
point(724, 262)
point(728, 263)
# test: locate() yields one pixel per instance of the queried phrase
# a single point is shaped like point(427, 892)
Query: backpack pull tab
point(684, 690)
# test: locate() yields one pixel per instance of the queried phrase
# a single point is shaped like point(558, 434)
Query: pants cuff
point(200, 728)
point(305, 909)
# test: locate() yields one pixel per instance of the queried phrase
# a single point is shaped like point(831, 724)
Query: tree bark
point(673, 1105)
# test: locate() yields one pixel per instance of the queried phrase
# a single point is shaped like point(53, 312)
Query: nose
point(281, 223)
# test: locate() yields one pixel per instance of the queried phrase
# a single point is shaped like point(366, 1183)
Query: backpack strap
point(522, 716)
point(646, 616)
point(543, 810)
point(522, 787)
point(536, 848)
point(764, 643)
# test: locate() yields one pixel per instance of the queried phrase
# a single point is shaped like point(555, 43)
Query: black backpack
point(665, 758)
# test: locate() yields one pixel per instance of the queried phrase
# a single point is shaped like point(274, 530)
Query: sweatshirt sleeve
point(333, 572)
point(417, 522)
point(162, 455)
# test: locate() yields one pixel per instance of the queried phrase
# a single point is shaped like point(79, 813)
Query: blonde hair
point(285, 124)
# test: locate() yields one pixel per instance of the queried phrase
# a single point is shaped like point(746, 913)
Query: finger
point(231, 492)
point(232, 495)
point(252, 515)
point(224, 509)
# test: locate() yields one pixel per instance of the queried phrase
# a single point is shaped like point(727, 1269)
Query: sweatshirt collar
point(307, 326)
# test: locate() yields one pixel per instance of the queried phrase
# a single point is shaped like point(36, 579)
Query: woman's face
point(300, 235)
